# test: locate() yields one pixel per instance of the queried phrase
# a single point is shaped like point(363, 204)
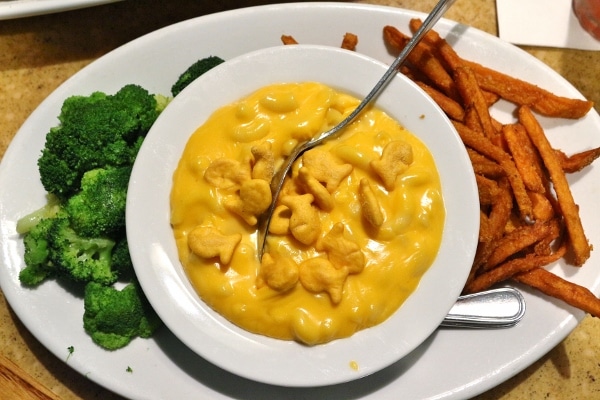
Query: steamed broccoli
point(98, 209)
point(79, 235)
point(96, 131)
point(121, 260)
point(37, 252)
point(193, 72)
point(114, 317)
point(53, 248)
point(34, 228)
point(80, 259)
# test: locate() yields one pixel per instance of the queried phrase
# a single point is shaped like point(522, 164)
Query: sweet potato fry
point(577, 161)
point(488, 189)
point(525, 93)
point(511, 268)
point(524, 156)
point(452, 108)
point(287, 39)
point(446, 52)
point(422, 58)
point(579, 243)
point(350, 41)
point(499, 215)
point(518, 240)
point(555, 286)
point(471, 94)
point(543, 208)
point(484, 166)
point(484, 146)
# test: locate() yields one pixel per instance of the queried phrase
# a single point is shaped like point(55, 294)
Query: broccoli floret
point(79, 258)
point(121, 260)
point(96, 131)
point(114, 317)
point(37, 263)
point(193, 72)
point(98, 210)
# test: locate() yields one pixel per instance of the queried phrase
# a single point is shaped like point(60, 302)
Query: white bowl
point(257, 357)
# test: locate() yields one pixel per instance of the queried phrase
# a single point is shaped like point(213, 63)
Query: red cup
point(588, 14)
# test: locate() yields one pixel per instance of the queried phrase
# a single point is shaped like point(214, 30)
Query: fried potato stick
point(287, 39)
point(577, 161)
point(570, 210)
point(506, 86)
point(451, 107)
point(543, 208)
point(350, 41)
point(488, 189)
point(518, 240)
point(422, 58)
point(484, 166)
point(552, 285)
point(484, 146)
point(525, 156)
point(525, 93)
point(511, 269)
point(471, 94)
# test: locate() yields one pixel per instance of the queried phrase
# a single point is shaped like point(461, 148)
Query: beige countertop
point(38, 53)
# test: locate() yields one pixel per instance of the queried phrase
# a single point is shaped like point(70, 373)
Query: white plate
point(26, 8)
point(280, 362)
point(451, 364)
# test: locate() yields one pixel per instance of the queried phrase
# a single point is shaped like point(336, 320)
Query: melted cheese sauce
point(396, 254)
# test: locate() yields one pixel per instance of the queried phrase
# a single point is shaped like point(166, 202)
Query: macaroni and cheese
point(358, 223)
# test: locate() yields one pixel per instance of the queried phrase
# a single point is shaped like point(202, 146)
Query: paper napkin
point(549, 23)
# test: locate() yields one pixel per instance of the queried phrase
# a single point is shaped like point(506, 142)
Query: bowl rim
point(257, 357)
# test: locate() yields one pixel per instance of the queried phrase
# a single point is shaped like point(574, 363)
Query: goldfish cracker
point(280, 274)
point(325, 168)
point(320, 275)
point(253, 199)
point(343, 252)
point(395, 159)
point(305, 225)
point(323, 198)
point(208, 242)
point(225, 173)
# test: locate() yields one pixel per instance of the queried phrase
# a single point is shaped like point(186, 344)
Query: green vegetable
point(79, 235)
point(80, 259)
point(98, 209)
point(37, 252)
point(114, 317)
point(121, 260)
point(96, 131)
point(194, 71)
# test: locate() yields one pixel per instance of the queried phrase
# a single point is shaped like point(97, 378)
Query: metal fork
point(277, 182)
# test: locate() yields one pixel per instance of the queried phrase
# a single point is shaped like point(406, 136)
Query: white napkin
point(549, 23)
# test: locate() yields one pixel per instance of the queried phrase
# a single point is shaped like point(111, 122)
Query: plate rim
point(569, 317)
point(152, 242)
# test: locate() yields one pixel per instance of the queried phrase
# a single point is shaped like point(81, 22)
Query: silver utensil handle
point(495, 308)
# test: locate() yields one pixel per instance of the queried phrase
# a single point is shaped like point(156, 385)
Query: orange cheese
point(376, 233)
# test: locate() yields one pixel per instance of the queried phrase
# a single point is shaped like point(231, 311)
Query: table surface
point(38, 53)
